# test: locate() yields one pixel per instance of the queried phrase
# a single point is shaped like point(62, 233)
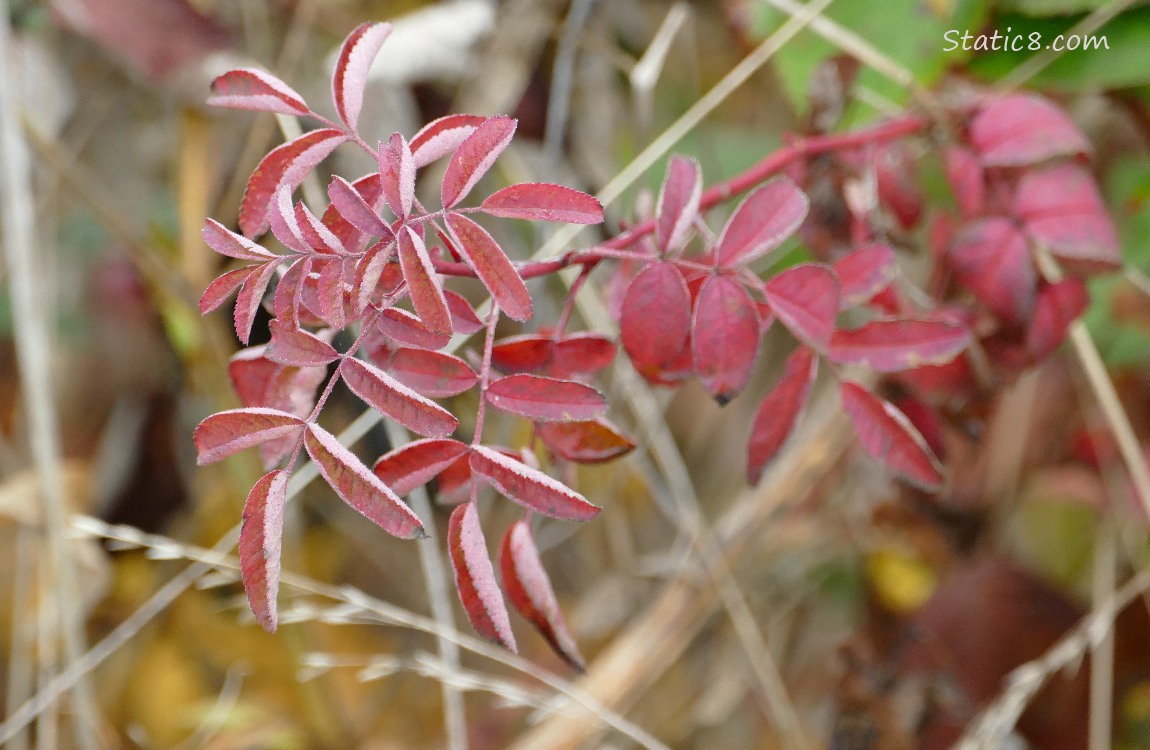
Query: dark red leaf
point(531, 594)
point(474, 156)
point(779, 411)
point(655, 318)
point(396, 400)
point(762, 222)
point(397, 173)
point(1023, 129)
point(409, 330)
point(455, 482)
point(491, 264)
point(964, 173)
point(423, 283)
point(863, 273)
point(1057, 307)
point(1060, 206)
point(248, 88)
point(889, 437)
point(529, 487)
point(285, 166)
point(581, 354)
point(463, 317)
point(259, 546)
point(369, 189)
point(226, 242)
point(352, 66)
point(295, 346)
point(226, 433)
point(724, 337)
point(527, 352)
point(260, 382)
point(358, 487)
point(678, 203)
point(546, 399)
point(536, 201)
point(417, 463)
point(591, 442)
point(894, 344)
point(897, 183)
point(250, 297)
point(441, 137)
point(355, 210)
point(992, 259)
point(433, 374)
point(223, 287)
point(805, 298)
point(475, 577)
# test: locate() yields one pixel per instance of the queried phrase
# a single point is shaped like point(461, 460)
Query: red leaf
point(423, 283)
point(894, 344)
point(433, 374)
point(355, 210)
point(248, 88)
point(527, 352)
point(455, 482)
point(358, 487)
point(371, 278)
point(581, 354)
point(284, 223)
point(1060, 206)
point(474, 156)
point(475, 577)
point(992, 259)
point(352, 66)
point(1024, 129)
point(397, 171)
point(222, 287)
point(226, 242)
point(531, 594)
point(964, 174)
point(678, 203)
point(805, 298)
point(439, 138)
point(226, 433)
point(897, 183)
point(546, 399)
point(463, 317)
point(863, 273)
point(417, 463)
point(396, 400)
point(331, 291)
point(368, 188)
point(655, 318)
point(250, 297)
point(285, 166)
point(724, 337)
point(536, 201)
point(889, 437)
point(409, 330)
point(317, 236)
point(762, 222)
point(779, 411)
point(259, 545)
point(295, 346)
point(1057, 307)
point(529, 487)
point(492, 266)
point(592, 442)
point(260, 382)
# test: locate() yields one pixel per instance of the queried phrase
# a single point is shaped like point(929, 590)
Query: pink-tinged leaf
point(248, 88)
point(991, 258)
point(226, 242)
point(474, 156)
point(397, 174)
point(927, 421)
point(1060, 206)
point(491, 265)
point(317, 236)
point(592, 442)
point(762, 222)
point(433, 374)
point(417, 463)
point(396, 400)
point(527, 352)
point(863, 273)
point(475, 577)
point(889, 437)
point(655, 318)
point(358, 487)
point(581, 354)
point(260, 382)
point(285, 166)
point(546, 399)
point(724, 337)
point(259, 546)
point(441, 137)
point(331, 291)
point(1057, 307)
point(370, 277)
point(463, 317)
point(1024, 129)
point(405, 328)
point(805, 298)
point(423, 283)
point(964, 173)
point(250, 297)
point(779, 411)
point(223, 287)
point(290, 291)
point(678, 203)
point(370, 190)
point(894, 344)
point(297, 347)
point(897, 183)
point(530, 487)
point(531, 594)
point(536, 201)
point(284, 224)
point(355, 210)
point(351, 68)
point(228, 432)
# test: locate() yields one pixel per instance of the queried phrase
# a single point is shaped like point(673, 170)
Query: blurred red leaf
point(894, 344)
point(491, 265)
point(536, 201)
point(295, 346)
point(964, 173)
point(655, 318)
point(441, 137)
point(1057, 307)
point(779, 411)
point(396, 400)
point(863, 273)
point(1021, 129)
point(433, 374)
point(417, 463)
point(259, 545)
point(249, 88)
point(592, 442)
point(806, 299)
point(349, 79)
point(761, 223)
point(546, 399)
point(409, 330)
point(475, 577)
point(992, 259)
point(1060, 206)
point(678, 203)
point(581, 354)
point(285, 166)
point(724, 337)
point(897, 183)
point(529, 487)
point(474, 156)
point(463, 317)
point(889, 437)
point(397, 175)
point(423, 282)
point(226, 433)
point(260, 382)
point(527, 352)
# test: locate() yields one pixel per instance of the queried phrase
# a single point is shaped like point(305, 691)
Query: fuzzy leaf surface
point(475, 577)
point(349, 79)
point(530, 487)
point(474, 156)
point(261, 532)
point(433, 374)
point(546, 399)
point(226, 242)
point(285, 166)
point(355, 210)
point(1061, 207)
point(249, 299)
point(423, 283)
point(397, 171)
point(806, 299)
point(396, 400)
point(226, 433)
point(252, 89)
point(480, 250)
point(441, 137)
point(761, 223)
point(538, 201)
point(417, 463)
point(222, 287)
point(409, 330)
point(295, 346)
